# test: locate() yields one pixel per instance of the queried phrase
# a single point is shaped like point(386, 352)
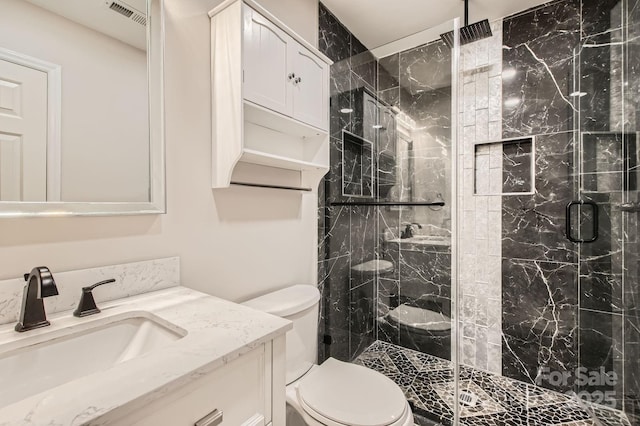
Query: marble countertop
point(425, 240)
point(218, 332)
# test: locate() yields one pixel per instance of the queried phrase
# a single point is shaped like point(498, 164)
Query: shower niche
point(504, 168)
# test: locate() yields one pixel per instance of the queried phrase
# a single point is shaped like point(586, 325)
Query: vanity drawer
point(240, 391)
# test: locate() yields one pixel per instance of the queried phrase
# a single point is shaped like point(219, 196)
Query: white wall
point(300, 15)
point(105, 148)
point(233, 243)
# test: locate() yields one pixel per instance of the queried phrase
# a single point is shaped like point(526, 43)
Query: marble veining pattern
point(480, 118)
point(131, 279)
point(215, 331)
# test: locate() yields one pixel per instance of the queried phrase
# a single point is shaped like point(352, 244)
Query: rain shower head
point(468, 33)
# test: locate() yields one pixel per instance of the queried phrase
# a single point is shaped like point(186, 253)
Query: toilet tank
point(299, 304)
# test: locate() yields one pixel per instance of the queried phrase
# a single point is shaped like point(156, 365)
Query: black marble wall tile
point(350, 235)
point(517, 164)
point(595, 82)
point(342, 102)
point(600, 17)
point(533, 225)
point(539, 320)
point(425, 68)
point(390, 96)
point(601, 262)
point(334, 40)
point(365, 66)
point(336, 307)
point(424, 275)
point(389, 72)
point(601, 357)
point(600, 287)
point(338, 232)
point(364, 234)
point(361, 314)
point(540, 46)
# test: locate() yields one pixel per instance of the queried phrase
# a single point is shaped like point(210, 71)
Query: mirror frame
point(157, 171)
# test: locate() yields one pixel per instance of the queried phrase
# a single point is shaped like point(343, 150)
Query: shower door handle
point(568, 221)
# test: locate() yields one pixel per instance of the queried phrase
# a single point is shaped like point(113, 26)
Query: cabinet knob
point(298, 80)
point(214, 418)
point(292, 76)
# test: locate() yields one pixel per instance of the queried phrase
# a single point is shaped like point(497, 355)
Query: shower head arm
point(466, 13)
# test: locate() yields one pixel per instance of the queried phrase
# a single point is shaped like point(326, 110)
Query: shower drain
point(468, 398)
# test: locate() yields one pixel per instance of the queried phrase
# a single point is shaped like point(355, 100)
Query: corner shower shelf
point(270, 129)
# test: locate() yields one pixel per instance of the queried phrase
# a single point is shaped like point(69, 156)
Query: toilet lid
point(353, 395)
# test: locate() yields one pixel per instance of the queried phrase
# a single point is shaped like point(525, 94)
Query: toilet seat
point(337, 393)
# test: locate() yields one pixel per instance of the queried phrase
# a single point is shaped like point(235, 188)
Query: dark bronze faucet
point(40, 284)
point(409, 230)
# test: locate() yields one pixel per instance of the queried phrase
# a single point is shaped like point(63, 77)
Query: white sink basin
point(51, 359)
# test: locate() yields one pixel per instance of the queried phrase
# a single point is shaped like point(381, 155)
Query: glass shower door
point(608, 366)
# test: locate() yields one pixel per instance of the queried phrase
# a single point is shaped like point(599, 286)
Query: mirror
point(81, 114)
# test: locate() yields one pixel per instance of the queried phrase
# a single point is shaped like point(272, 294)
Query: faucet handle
point(87, 305)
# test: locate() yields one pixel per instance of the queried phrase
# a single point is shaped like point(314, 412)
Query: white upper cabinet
point(310, 100)
point(267, 51)
point(270, 101)
point(281, 74)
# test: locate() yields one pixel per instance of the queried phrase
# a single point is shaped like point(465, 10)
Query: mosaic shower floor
point(428, 384)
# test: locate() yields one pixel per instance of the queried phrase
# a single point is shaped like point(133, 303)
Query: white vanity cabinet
point(270, 101)
point(248, 391)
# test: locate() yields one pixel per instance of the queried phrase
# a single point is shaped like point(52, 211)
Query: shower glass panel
point(516, 301)
point(548, 277)
point(386, 255)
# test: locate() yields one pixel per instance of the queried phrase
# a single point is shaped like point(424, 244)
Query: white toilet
point(335, 393)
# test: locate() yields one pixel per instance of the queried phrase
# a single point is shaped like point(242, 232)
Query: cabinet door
point(240, 391)
point(266, 70)
point(310, 88)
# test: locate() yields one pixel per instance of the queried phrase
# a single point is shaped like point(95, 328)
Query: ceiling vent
point(128, 12)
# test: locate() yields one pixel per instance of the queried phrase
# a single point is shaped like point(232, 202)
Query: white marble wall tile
point(495, 130)
point(494, 335)
point(494, 313)
point(482, 125)
point(481, 246)
point(494, 98)
point(482, 52)
point(481, 348)
point(131, 279)
point(494, 354)
point(469, 307)
point(468, 330)
point(468, 351)
point(495, 181)
point(481, 264)
point(469, 93)
point(468, 53)
point(482, 90)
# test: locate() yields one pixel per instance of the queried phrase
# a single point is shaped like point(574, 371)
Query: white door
point(23, 133)
point(265, 72)
point(310, 89)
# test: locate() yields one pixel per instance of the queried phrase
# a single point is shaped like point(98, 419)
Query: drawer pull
point(214, 418)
